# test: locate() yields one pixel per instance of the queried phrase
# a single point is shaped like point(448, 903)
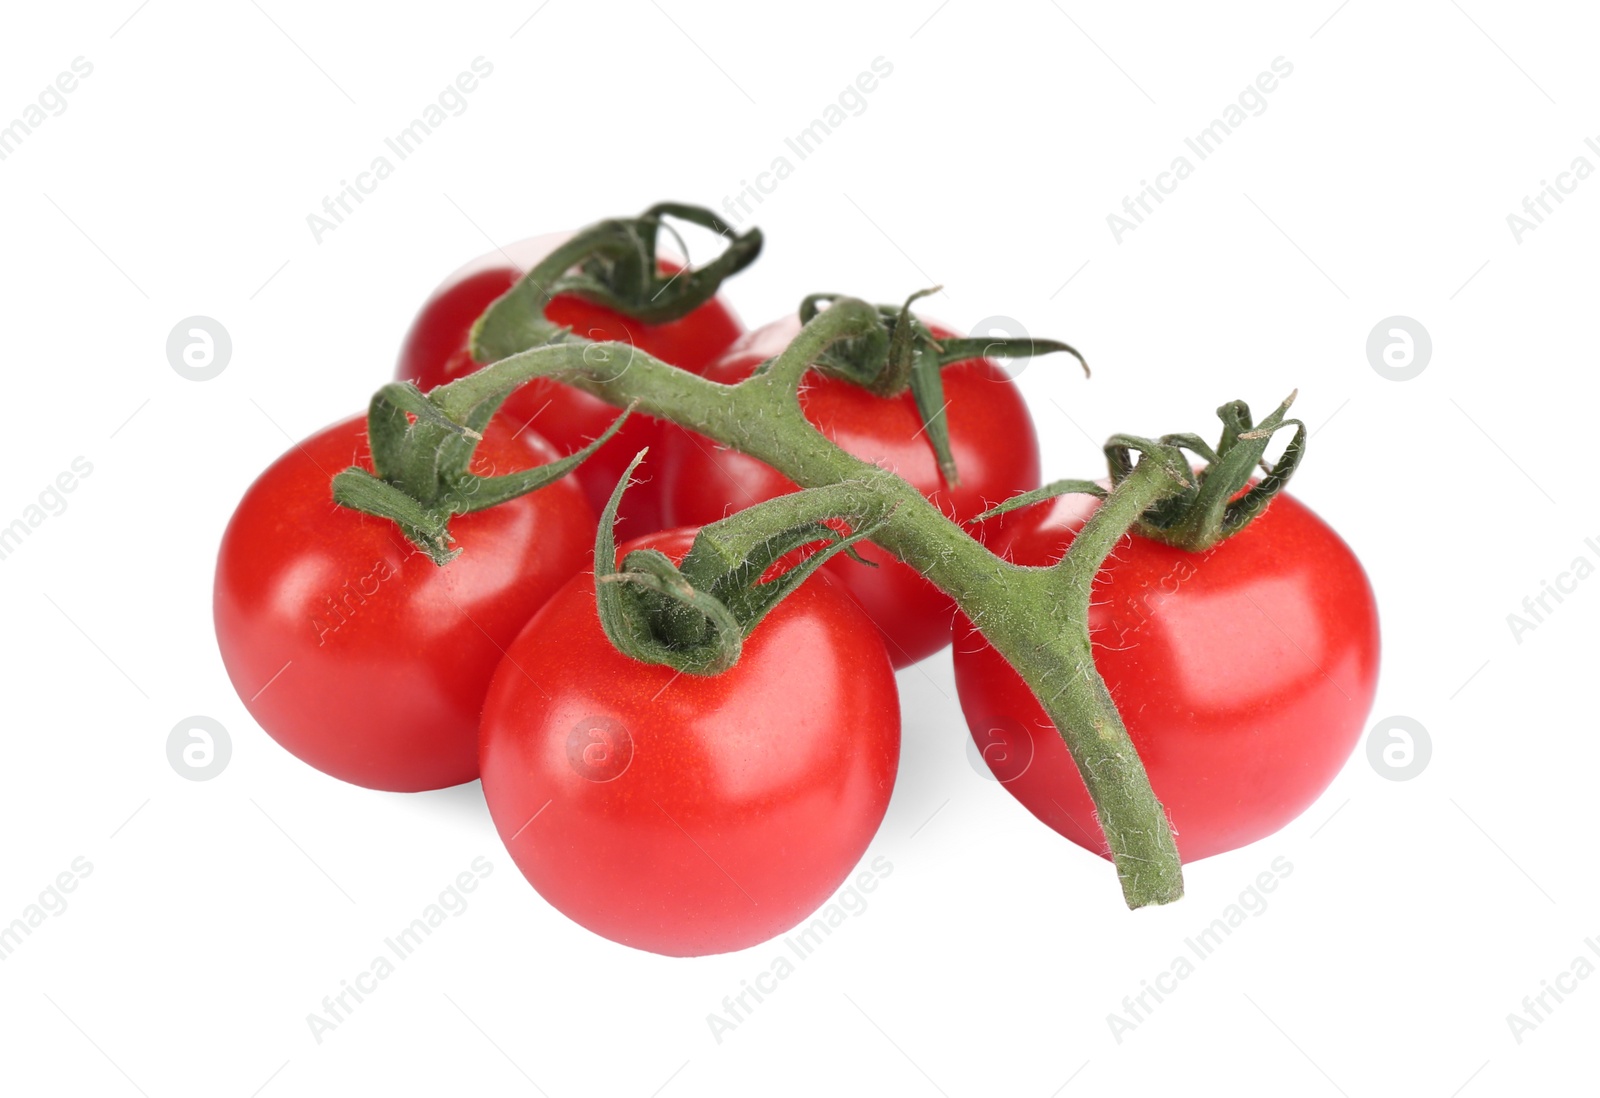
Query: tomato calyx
point(421, 466)
point(614, 264)
point(1214, 503)
point(693, 616)
point(903, 353)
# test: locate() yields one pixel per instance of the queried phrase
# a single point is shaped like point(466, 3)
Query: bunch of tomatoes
point(692, 814)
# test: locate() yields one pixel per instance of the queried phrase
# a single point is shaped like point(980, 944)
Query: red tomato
point(435, 351)
point(991, 438)
point(689, 815)
point(1244, 675)
point(354, 650)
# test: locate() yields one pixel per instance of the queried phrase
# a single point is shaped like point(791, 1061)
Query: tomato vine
point(1035, 616)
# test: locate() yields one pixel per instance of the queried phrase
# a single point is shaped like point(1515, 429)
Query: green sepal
point(1039, 495)
point(422, 459)
point(614, 264)
point(902, 353)
point(695, 616)
point(475, 493)
point(630, 282)
point(960, 350)
point(1211, 505)
point(1217, 502)
point(425, 527)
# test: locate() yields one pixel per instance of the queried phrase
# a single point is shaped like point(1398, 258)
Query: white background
point(1377, 182)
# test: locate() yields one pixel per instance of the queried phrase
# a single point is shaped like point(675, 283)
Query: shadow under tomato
point(458, 802)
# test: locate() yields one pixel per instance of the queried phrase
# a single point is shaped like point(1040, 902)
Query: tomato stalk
point(1036, 617)
point(693, 616)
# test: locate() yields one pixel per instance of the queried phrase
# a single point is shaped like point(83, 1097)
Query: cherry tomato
point(1244, 675)
point(435, 351)
point(683, 814)
point(991, 438)
point(355, 651)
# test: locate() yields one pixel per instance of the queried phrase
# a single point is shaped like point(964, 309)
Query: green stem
point(1134, 823)
point(1037, 618)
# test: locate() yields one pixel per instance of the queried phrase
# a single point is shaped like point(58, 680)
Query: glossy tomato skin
point(1244, 675)
point(690, 815)
point(355, 651)
point(436, 351)
point(991, 437)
